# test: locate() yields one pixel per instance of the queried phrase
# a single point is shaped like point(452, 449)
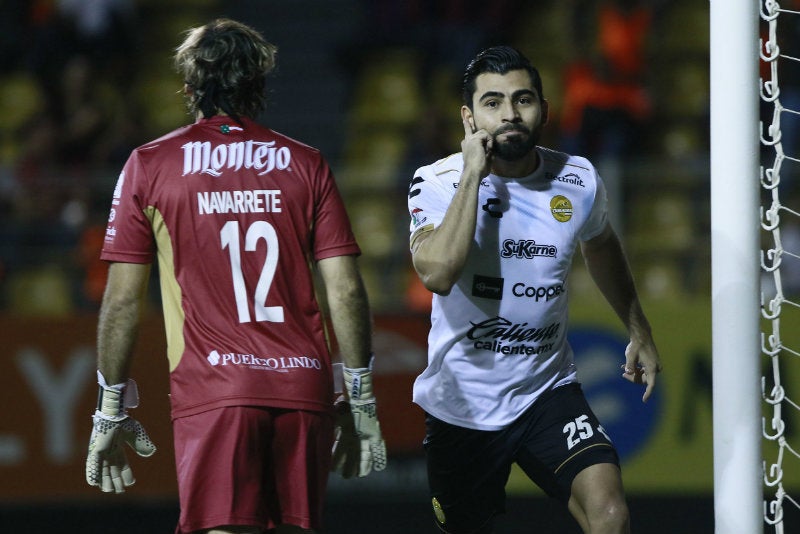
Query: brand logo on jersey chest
point(487, 287)
point(527, 249)
point(200, 157)
point(569, 178)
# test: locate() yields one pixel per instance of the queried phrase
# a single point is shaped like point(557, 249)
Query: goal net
point(780, 254)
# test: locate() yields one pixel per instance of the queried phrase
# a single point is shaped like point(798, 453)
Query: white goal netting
point(780, 255)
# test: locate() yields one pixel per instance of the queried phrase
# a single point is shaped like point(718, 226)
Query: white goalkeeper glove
point(106, 464)
point(359, 446)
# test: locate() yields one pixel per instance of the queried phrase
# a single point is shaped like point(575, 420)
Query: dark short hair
point(498, 60)
point(225, 63)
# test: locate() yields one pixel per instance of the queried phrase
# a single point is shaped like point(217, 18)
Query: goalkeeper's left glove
point(372, 448)
point(106, 464)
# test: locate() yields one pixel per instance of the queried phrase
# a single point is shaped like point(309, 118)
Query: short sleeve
point(428, 200)
point(129, 234)
point(333, 233)
point(598, 217)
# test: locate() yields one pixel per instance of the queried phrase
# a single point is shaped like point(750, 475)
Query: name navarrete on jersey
point(249, 201)
point(199, 157)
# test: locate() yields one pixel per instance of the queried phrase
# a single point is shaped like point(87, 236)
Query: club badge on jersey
point(227, 128)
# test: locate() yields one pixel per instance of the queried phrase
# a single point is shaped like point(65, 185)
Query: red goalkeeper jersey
point(236, 214)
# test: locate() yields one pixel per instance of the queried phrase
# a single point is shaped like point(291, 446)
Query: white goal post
point(735, 268)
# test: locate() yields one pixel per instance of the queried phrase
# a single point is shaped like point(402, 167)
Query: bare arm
point(439, 255)
point(119, 319)
point(608, 266)
point(106, 463)
point(349, 309)
point(359, 446)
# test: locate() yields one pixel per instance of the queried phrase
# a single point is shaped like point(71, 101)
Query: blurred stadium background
point(375, 84)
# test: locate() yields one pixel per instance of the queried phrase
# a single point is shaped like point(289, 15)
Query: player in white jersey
point(493, 233)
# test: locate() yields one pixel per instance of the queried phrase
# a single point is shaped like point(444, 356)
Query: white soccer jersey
point(498, 340)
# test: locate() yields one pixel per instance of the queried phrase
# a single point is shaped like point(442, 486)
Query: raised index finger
point(468, 129)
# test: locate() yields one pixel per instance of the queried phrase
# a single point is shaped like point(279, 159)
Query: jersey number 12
point(229, 236)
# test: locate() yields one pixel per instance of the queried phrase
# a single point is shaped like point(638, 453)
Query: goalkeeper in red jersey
point(240, 218)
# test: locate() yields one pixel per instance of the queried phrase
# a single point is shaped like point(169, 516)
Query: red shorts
point(250, 465)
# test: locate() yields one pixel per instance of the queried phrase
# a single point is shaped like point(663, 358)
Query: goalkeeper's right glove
point(371, 448)
point(106, 464)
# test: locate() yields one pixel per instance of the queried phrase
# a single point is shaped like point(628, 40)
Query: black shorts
point(553, 441)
